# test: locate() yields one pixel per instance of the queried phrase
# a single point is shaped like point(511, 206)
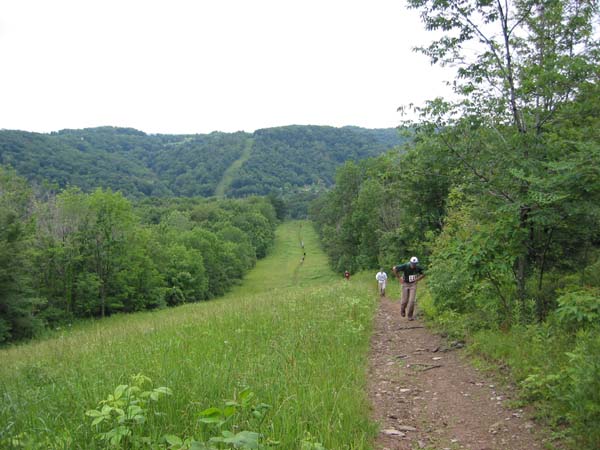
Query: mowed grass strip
point(233, 169)
point(300, 342)
point(285, 266)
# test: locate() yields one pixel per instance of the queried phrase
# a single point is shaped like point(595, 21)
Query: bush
point(579, 309)
point(583, 393)
point(124, 420)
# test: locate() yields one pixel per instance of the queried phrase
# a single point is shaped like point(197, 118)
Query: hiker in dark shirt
point(409, 274)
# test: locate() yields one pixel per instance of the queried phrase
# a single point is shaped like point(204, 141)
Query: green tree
point(19, 306)
point(258, 229)
point(61, 221)
point(520, 67)
point(245, 255)
point(211, 248)
point(383, 209)
point(140, 285)
point(185, 275)
point(106, 239)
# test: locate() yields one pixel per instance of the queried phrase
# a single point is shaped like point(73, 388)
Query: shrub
point(579, 309)
point(583, 394)
point(122, 421)
point(120, 418)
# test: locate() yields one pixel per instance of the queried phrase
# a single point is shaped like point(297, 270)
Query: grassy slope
point(231, 172)
point(297, 335)
point(284, 267)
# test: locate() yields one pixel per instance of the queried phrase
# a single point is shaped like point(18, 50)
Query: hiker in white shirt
point(381, 278)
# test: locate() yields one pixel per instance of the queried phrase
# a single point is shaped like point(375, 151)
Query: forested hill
point(140, 164)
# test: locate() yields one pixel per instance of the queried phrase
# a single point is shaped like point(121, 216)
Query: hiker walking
point(347, 275)
point(409, 274)
point(381, 278)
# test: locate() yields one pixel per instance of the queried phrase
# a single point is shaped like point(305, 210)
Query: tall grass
point(295, 334)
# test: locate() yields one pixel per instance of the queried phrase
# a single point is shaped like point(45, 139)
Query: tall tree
point(18, 304)
point(520, 65)
point(111, 224)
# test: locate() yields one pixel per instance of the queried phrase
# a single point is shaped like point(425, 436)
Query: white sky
point(196, 66)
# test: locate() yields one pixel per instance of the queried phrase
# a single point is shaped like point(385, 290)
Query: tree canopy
point(287, 160)
point(73, 254)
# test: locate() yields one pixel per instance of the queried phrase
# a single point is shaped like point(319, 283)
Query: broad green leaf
point(119, 391)
point(173, 440)
point(163, 390)
point(93, 413)
point(243, 439)
point(229, 411)
point(211, 415)
point(97, 420)
point(211, 412)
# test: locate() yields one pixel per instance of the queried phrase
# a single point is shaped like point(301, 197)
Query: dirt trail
point(425, 395)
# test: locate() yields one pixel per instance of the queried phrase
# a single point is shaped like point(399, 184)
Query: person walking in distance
point(347, 275)
point(409, 274)
point(381, 278)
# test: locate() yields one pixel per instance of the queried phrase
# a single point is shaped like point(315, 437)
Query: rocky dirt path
point(426, 395)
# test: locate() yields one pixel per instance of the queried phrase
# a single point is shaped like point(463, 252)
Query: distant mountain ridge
point(138, 164)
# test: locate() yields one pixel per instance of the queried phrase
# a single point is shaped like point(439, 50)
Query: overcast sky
point(196, 66)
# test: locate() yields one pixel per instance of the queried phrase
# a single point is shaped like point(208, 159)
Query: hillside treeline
point(72, 254)
point(285, 160)
point(499, 195)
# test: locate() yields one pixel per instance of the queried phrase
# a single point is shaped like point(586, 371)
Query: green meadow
point(294, 333)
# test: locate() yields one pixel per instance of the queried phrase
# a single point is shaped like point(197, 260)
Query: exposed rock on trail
point(426, 396)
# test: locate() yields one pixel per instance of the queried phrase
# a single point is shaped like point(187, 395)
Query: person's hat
point(414, 260)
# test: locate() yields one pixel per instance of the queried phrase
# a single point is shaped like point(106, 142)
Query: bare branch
point(480, 33)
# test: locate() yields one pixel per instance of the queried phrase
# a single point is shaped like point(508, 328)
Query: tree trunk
point(102, 300)
point(523, 259)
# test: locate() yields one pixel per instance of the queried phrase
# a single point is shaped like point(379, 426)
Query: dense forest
point(284, 160)
point(73, 254)
point(107, 220)
point(297, 156)
point(499, 196)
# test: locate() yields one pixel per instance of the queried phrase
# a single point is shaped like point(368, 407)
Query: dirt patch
point(426, 395)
